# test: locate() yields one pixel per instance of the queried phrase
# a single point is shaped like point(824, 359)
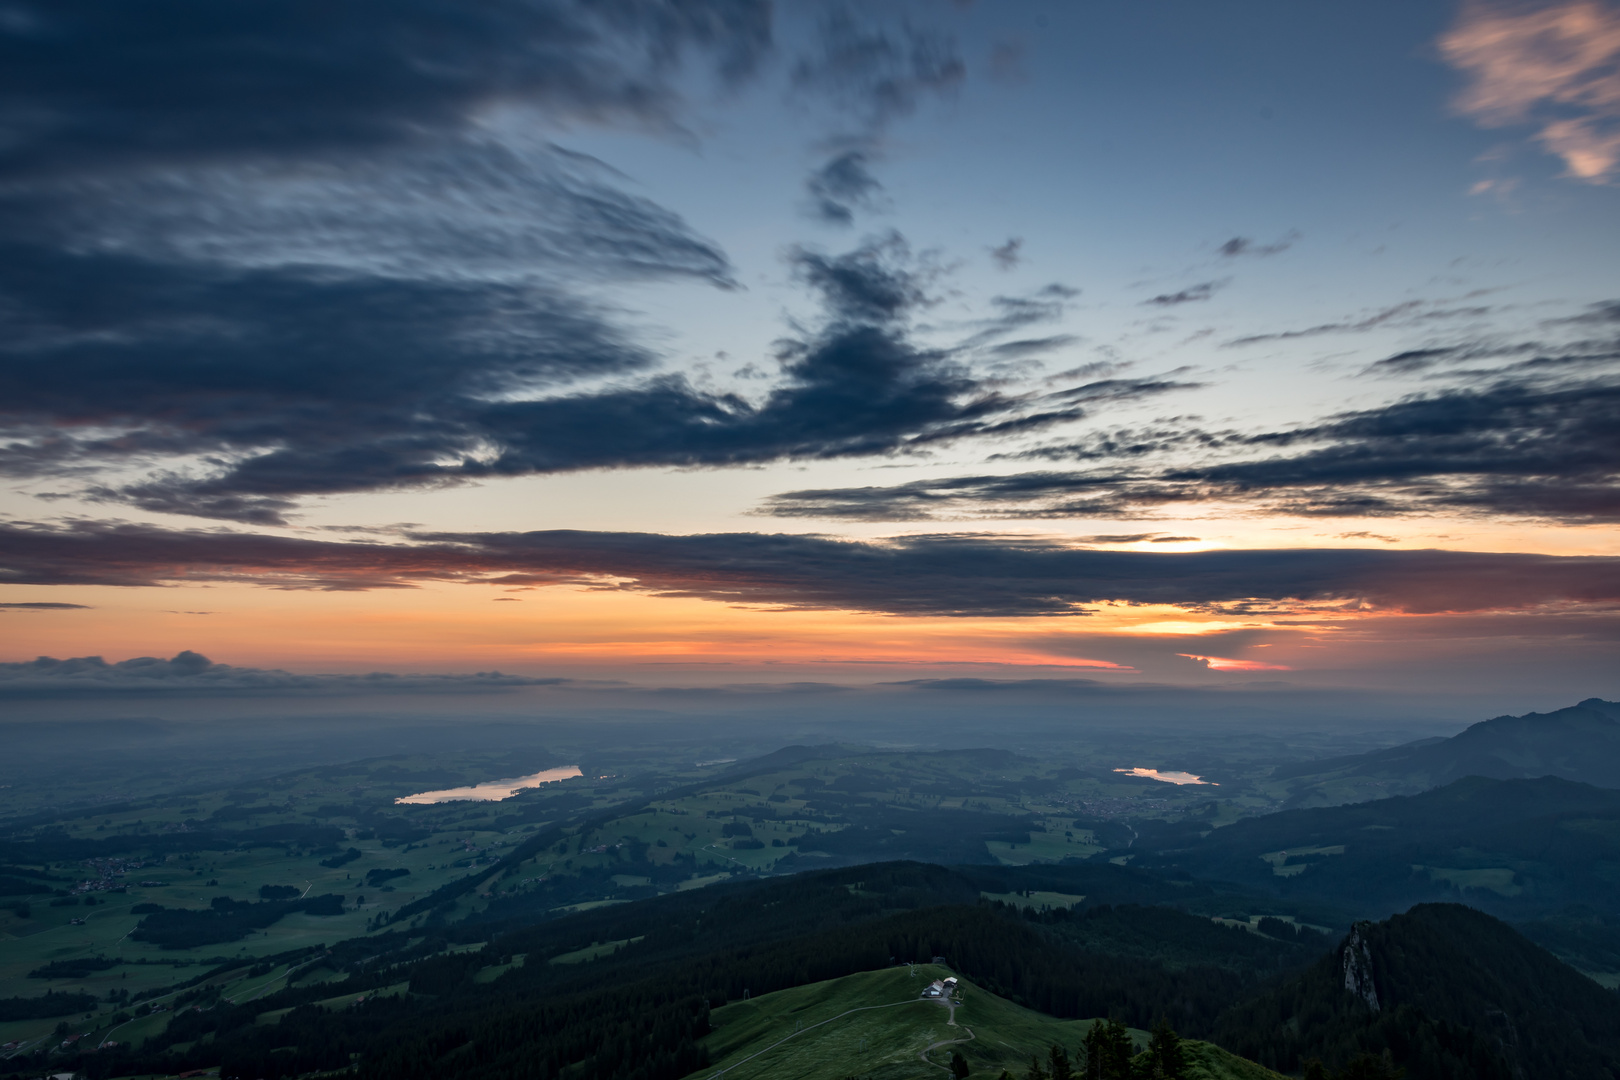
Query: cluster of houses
point(940, 988)
point(108, 871)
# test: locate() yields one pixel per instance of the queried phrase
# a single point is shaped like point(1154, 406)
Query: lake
point(493, 790)
point(1169, 777)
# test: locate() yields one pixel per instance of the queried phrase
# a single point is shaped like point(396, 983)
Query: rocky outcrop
point(1356, 959)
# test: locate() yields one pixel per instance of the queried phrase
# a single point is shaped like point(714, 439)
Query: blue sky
point(604, 308)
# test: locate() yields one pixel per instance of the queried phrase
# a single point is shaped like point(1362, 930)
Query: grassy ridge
point(874, 1024)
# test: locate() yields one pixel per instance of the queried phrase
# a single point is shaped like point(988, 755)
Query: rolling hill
point(874, 1024)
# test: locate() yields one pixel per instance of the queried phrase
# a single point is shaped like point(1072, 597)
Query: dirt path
point(945, 1042)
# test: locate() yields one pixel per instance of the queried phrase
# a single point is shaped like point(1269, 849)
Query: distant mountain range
point(1579, 743)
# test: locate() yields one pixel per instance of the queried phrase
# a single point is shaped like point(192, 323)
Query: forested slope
point(1452, 993)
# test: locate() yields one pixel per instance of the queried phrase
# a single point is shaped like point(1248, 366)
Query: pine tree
point(1091, 1053)
point(1035, 1071)
point(1058, 1059)
point(1165, 1055)
point(959, 1065)
point(1108, 1051)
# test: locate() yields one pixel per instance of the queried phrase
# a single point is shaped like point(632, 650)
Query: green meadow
point(876, 1025)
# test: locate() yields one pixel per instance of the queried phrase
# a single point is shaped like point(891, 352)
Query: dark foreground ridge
point(487, 1001)
point(1450, 991)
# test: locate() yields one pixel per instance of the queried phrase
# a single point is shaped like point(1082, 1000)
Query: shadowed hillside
point(1452, 993)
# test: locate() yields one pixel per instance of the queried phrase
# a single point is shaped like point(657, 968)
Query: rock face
point(1356, 959)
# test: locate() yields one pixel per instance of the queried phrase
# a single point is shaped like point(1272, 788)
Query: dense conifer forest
point(485, 1001)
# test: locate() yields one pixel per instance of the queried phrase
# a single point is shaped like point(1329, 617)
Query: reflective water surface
point(493, 790)
point(1169, 777)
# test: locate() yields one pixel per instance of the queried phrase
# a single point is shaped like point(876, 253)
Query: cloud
point(876, 74)
point(1007, 256)
point(1411, 361)
point(255, 255)
point(1513, 447)
point(1026, 347)
point(258, 386)
point(872, 75)
point(356, 382)
point(193, 673)
point(1046, 304)
point(1135, 538)
point(105, 88)
point(929, 575)
point(843, 185)
point(1026, 496)
point(1242, 245)
point(1189, 295)
point(215, 308)
point(41, 605)
point(1524, 444)
point(1555, 65)
point(472, 208)
point(1407, 313)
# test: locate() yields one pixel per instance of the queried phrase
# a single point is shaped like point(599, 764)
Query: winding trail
point(931, 1047)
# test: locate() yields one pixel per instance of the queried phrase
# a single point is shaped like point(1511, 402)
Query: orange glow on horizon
point(1224, 663)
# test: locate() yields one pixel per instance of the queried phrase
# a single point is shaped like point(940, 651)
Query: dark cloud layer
point(372, 383)
point(918, 576)
point(193, 673)
point(250, 255)
point(260, 252)
point(1510, 447)
point(92, 85)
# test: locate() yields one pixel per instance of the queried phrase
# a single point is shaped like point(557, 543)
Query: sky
point(645, 343)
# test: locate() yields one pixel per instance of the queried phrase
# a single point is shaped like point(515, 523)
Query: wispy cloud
point(1191, 294)
point(1554, 65)
point(872, 74)
point(1243, 245)
point(1007, 256)
point(1533, 440)
point(1406, 313)
point(843, 185)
